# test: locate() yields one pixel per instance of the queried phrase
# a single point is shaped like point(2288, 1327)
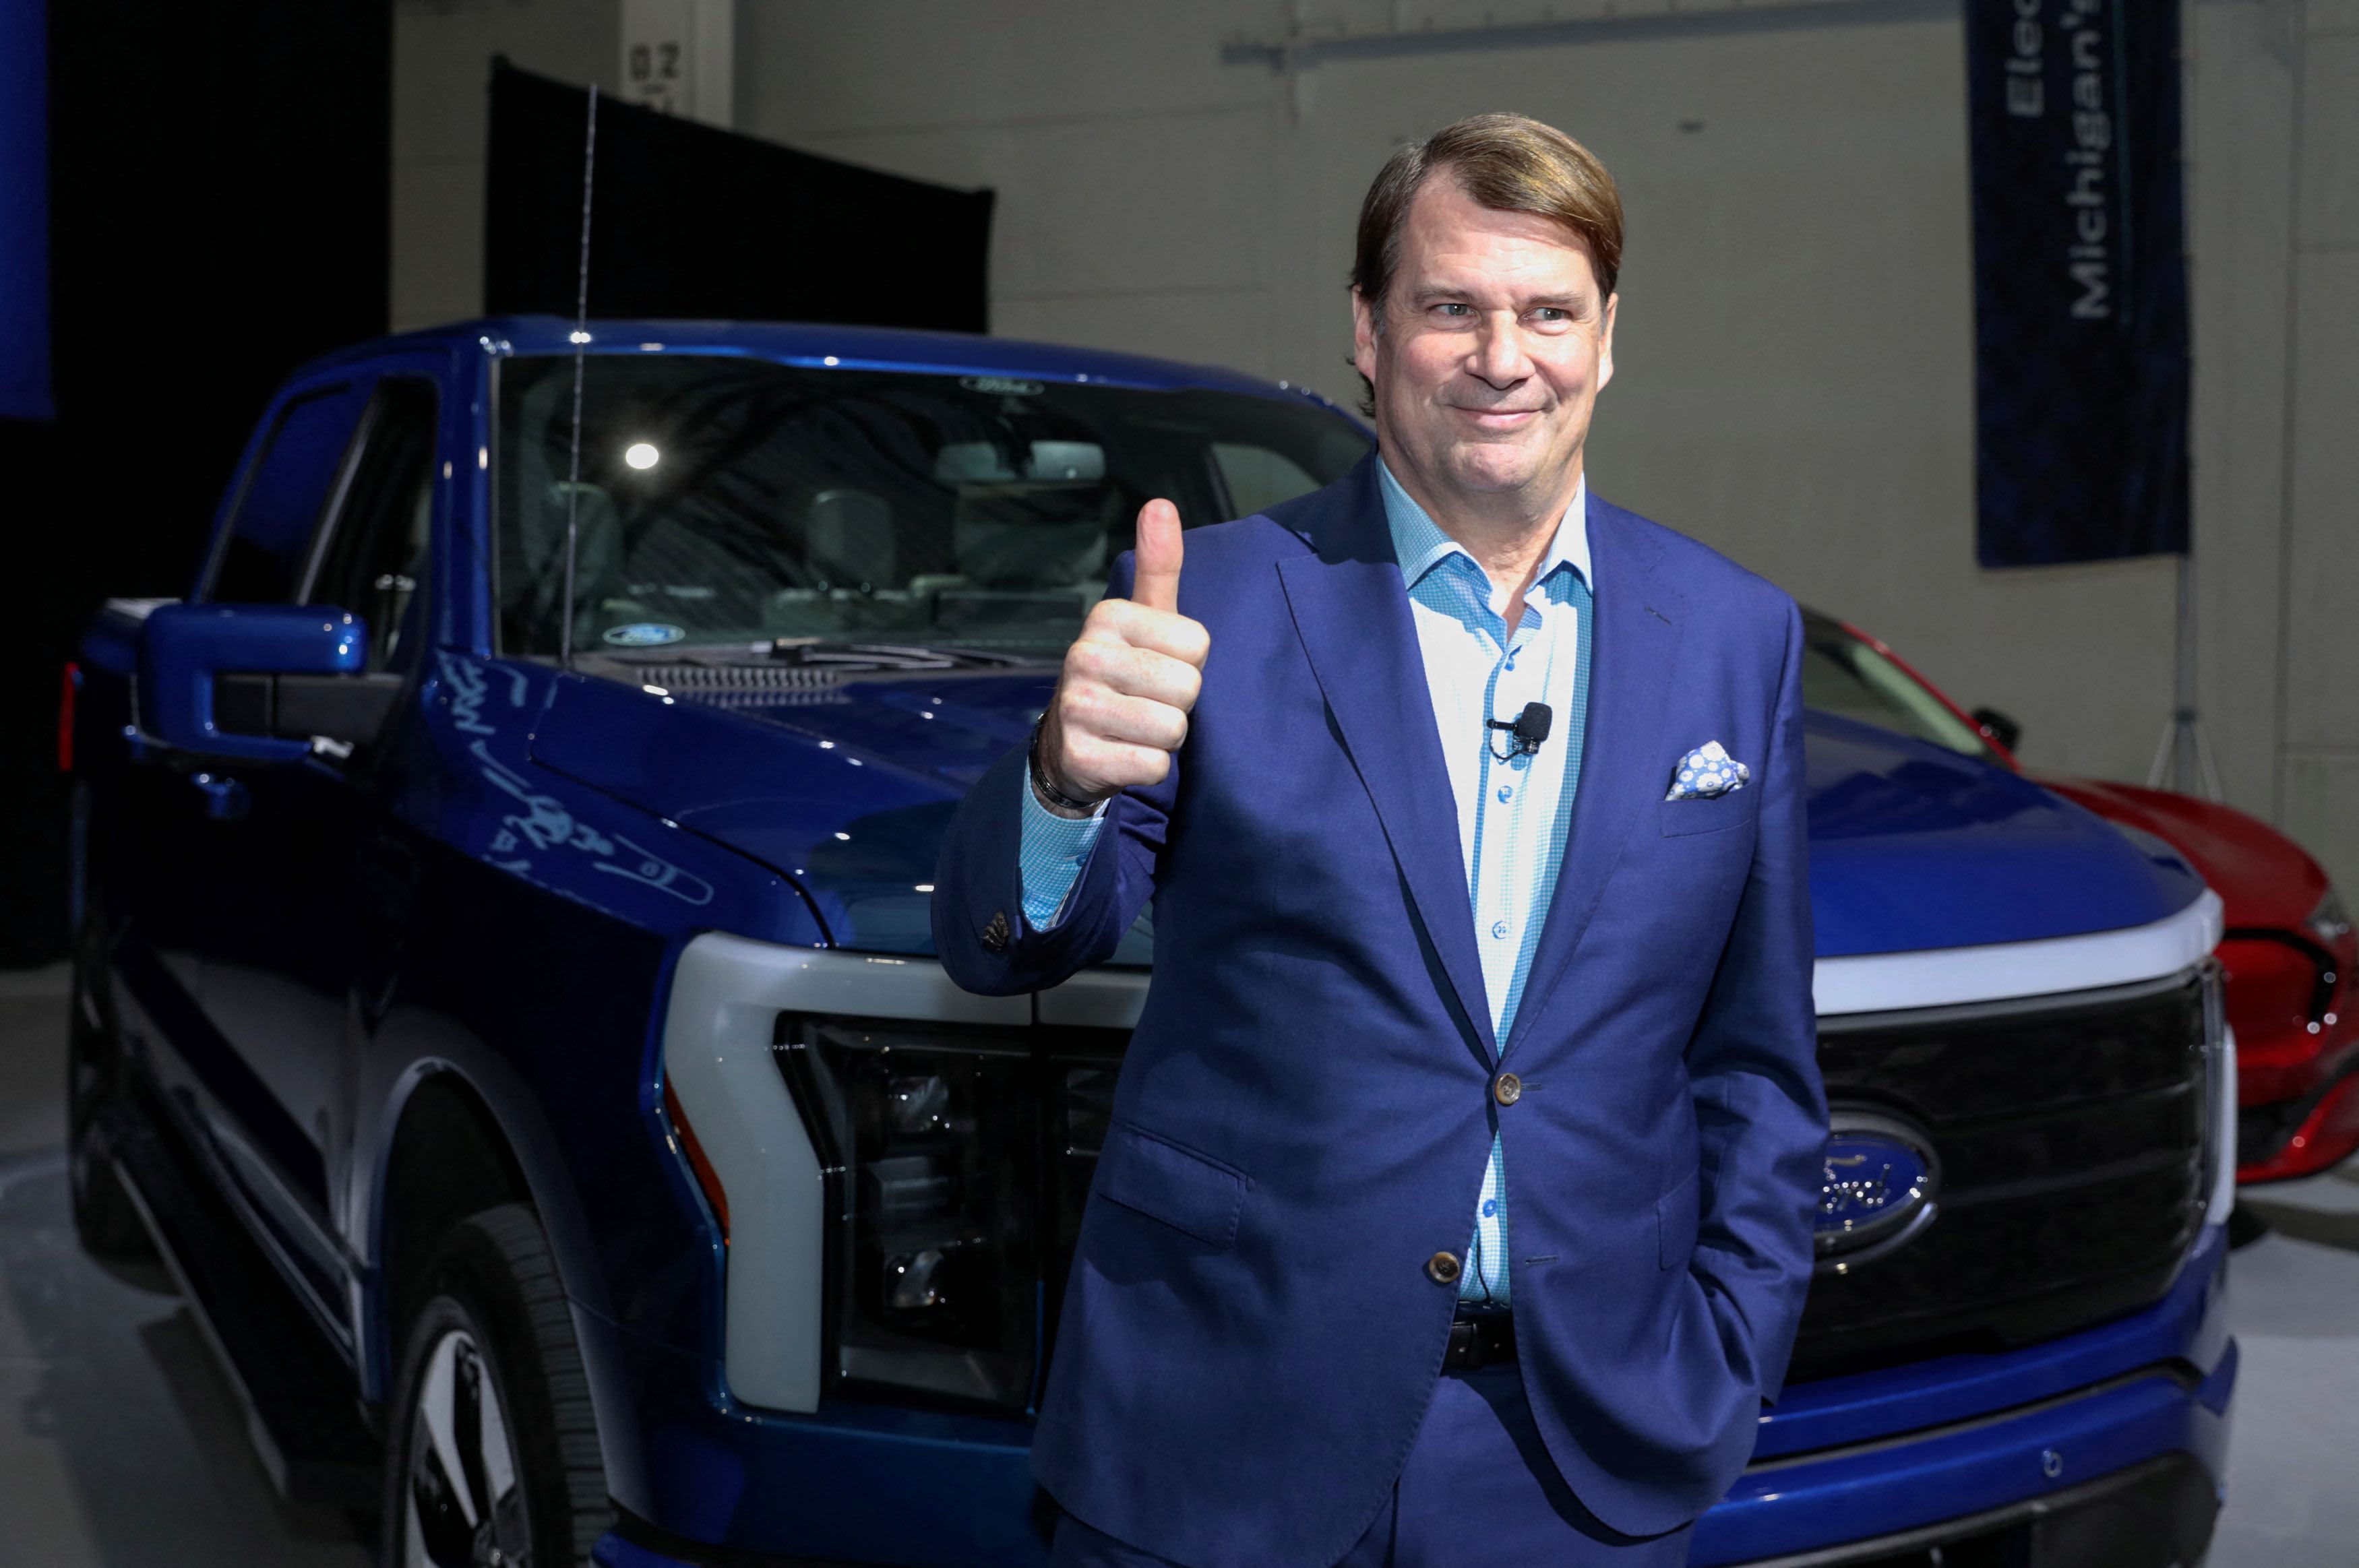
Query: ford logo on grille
point(1877, 1194)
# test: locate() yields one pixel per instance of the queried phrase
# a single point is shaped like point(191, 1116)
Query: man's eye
point(1552, 315)
point(1456, 312)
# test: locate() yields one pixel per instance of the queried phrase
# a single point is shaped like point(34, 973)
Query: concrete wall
point(442, 52)
point(1795, 373)
point(2317, 785)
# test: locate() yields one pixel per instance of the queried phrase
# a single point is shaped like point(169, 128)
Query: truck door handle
point(226, 799)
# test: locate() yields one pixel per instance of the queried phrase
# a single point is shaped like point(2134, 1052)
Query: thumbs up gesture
point(1123, 699)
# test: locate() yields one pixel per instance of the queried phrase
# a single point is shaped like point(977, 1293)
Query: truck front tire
point(493, 1451)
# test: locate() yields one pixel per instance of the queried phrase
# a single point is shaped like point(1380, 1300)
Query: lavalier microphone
point(1525, 731)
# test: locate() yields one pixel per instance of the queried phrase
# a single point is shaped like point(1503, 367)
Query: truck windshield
point(1843, 675)
point(725, 499)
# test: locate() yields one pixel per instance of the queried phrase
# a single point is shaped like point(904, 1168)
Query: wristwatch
point(1050, 792)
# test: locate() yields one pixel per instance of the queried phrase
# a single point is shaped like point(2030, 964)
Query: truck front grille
point(2074, 1169)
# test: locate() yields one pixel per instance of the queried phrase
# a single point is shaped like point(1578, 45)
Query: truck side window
point(283, 496)
point(376, 549)
point(1257, 478)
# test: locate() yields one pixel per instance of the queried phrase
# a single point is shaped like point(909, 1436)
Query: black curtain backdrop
point(2080, 280)
point(692, 222)
point(219, 179)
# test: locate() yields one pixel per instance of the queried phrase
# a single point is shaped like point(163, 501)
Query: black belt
point(1479, 1340)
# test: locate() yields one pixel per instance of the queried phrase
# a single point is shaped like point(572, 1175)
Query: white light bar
point(2001, 971)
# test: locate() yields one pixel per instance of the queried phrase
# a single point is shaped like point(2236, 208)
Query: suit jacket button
point(1506, 1088)
point(1443, 1268)
point(994, 936)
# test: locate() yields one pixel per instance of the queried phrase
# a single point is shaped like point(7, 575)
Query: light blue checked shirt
point(1513, 814)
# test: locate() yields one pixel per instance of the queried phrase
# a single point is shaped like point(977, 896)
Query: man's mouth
point(1497, 418)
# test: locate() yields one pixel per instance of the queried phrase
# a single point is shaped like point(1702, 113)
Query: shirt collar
point(1420, 545)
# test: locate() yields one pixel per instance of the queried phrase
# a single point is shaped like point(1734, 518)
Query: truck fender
point(417, 1051)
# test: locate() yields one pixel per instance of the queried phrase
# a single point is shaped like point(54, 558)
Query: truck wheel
point(105, 1219)
point(492, 1459)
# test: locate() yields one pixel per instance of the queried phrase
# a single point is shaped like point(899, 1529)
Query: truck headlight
point(955, 1160)
point(2220, 1076)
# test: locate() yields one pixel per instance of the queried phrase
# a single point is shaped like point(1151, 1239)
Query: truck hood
point(1913, 845)
point(847, 789)
point(2263, 877)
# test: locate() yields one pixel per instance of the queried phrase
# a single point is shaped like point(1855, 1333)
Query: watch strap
point(1050, 792)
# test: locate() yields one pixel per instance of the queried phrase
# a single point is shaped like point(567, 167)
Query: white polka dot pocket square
point(1706, 773)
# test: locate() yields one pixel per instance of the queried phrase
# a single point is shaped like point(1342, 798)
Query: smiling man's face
point(1494, 345)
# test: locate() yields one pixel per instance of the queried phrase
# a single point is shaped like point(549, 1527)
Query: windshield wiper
point(813, 654)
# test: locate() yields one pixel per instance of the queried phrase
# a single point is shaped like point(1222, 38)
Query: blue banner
point(2080, 382)
point(24, 212)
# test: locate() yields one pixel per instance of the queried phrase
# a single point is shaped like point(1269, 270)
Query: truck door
point(280, 871)
point(182, 813)
point(357, 855)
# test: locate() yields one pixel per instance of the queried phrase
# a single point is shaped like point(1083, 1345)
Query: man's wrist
point(1045, 788)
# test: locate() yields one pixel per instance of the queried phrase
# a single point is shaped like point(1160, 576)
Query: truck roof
point(816, 344)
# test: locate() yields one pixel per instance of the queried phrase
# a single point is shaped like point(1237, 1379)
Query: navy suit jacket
point(1250, 1335)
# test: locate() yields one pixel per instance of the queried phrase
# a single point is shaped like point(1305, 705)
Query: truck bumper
point(2125, 1421)
point(2103, 1448)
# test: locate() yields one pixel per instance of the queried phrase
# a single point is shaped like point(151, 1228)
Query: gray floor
point(121, 1446)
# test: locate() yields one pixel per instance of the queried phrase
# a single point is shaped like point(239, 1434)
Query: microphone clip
point(1525, 732)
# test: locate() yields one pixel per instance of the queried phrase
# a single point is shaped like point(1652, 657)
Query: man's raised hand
point(1123, 699)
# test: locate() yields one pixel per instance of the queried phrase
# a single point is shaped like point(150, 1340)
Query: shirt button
point(1499, 929)
point(1506, 792)
point(1442, 1269)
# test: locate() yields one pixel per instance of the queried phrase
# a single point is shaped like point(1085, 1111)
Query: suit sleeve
point(982, 933)
point(1760, 1106)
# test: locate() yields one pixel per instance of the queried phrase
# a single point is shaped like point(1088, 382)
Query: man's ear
point(1606, 342)
point(1364, 335)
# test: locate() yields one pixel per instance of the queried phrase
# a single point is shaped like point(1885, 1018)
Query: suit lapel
point(1352, 613)
point(1623, 767)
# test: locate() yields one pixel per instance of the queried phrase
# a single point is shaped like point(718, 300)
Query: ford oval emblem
point(643, 634)
point(1881, 1179)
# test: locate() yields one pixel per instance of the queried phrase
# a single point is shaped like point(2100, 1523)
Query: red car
point(2289, 950)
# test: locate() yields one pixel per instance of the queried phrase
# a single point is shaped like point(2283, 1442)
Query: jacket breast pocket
point(1715, 814)
point(1187, 1191)
point(1677, 1215)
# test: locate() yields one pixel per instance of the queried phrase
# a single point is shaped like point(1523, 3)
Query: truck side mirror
point(189, 656)
point(1998, 726)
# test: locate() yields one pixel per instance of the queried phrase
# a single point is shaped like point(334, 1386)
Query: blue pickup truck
point(502, 994)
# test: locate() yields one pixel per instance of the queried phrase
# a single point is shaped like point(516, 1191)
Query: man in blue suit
point(1456, 1206)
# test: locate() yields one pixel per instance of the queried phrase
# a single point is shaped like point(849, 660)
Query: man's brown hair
point(1509, 163)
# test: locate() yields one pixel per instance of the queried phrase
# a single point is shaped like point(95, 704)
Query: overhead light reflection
point(642, 455)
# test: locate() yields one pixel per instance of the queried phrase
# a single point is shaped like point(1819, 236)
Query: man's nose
point(1499, 357)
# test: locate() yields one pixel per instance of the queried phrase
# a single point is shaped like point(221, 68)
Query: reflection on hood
point(1912, 846)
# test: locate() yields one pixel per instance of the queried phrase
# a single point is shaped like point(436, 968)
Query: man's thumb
point(1157, 581)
